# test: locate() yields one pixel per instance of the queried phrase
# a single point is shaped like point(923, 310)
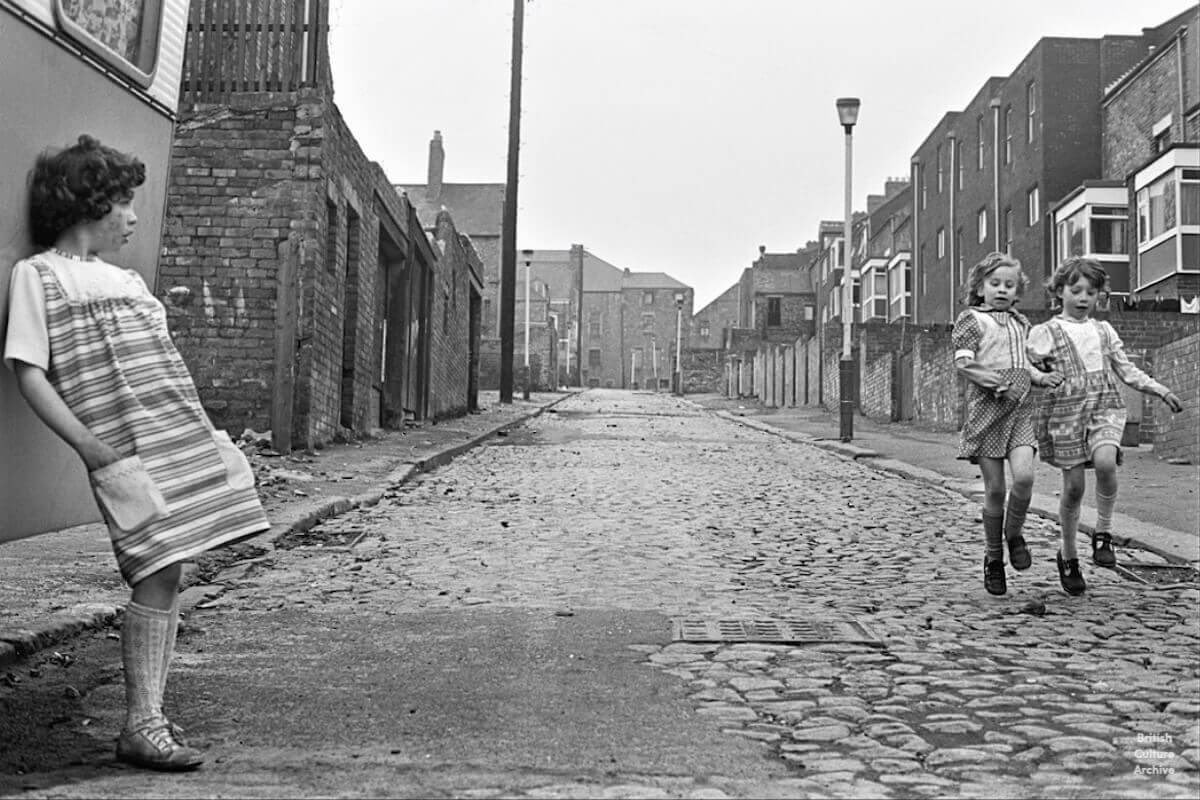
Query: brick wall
point(450, 329)
point(232, 217)
point(703, 371)
point(1178, 367)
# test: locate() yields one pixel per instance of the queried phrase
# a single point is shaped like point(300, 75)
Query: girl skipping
point(989, 351)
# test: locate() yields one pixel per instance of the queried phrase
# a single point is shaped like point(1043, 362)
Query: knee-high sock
point(1068, 517)
point(168, 647)
point(143, 638)
point(993, 533)
point(1104, 510)
point(1014, 518)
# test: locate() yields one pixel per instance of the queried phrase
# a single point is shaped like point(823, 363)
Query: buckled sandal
point(154, 746)
point(993, 576)
point(1069, 575)
point(1018, 553)
point(1102, 550)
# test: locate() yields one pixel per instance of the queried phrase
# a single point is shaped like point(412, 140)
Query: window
point(939, 169)
point(1008, 135)
point(594, 327)
point(1189, 197)
point(594, 358)
point(647, 298)
point(980, 134)
point(1033, 206)
point(647, 321)
point(704, 331)
point(1030, 111)
point(962, 259)
point(981, 225)
point(808, 312)
point(899, 289)
point(958, 160)
point(123, 34)
point(941, 243)
point(1107, 229)
point(774, 311)
point(1161, 135)
point(924, 188)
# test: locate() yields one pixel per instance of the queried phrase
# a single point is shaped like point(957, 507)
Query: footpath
point(54, 585)
point(1158, 505)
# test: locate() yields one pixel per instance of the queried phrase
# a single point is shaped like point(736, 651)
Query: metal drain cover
point(774, 631)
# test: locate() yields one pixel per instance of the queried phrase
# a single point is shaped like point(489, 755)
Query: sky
point(679, 135)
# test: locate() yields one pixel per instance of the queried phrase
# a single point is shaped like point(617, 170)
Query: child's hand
point(97, 454)
point(1173, 402)
point(1051, 378)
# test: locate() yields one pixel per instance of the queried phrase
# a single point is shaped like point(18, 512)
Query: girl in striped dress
point(89, 345)
point(989, 351)
point(1080, 423)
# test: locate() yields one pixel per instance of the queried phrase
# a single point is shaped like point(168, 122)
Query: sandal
point(154, 746)
point(1102, 551)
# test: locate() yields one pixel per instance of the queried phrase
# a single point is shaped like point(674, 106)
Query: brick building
point(985, 176)
point(710, 323)
point(1140, 215)
point(302, 289)
point(624, 326)
point(776, 297)
point(478, 211)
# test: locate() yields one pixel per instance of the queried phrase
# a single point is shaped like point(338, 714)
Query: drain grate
point(775, 631)
point(1159, 576)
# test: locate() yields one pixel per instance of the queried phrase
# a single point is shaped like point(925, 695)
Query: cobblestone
point(699, 516)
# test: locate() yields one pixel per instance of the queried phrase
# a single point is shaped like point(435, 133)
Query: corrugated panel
point(165, 87)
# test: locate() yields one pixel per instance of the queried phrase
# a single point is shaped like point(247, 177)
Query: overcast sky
point(679, 135)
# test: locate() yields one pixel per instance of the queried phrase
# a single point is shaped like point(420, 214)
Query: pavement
point(54, 585)
point(502, 627)
point(1158, 507)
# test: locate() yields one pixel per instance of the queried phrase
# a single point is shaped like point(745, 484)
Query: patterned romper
point(995, 426)
point(112, 361)
point(1086, 409)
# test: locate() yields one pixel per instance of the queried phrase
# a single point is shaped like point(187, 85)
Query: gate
point(902, 387)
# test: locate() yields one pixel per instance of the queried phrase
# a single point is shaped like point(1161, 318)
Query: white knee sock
point(1104, 510)
point(143, 640)
point(168, 648)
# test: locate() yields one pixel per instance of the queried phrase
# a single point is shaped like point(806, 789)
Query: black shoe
point(1102, 552)
point(1069, 575)
point(1018, 553)
point(993, 576)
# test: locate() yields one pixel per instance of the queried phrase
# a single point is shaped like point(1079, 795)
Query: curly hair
point(973, 291)
point(1075, 268)
point(78, 184)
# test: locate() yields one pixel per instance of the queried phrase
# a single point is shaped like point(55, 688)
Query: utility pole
point(508, 233)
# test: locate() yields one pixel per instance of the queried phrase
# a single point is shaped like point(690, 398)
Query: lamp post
point(678, 343)
point(528, 256)
point(847, 108)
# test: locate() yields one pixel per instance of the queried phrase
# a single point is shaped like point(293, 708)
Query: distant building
point(1140, 212)
point(986, 176)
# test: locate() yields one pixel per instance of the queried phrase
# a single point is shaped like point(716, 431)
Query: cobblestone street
point(615, 512)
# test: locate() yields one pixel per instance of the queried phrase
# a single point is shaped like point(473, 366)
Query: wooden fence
point(252, 46)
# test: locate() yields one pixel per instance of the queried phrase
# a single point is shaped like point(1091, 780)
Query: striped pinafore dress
point(113, 363)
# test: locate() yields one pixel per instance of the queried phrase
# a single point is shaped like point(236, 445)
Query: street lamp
point(678, 343)
point(528, 256)
point(848, 115)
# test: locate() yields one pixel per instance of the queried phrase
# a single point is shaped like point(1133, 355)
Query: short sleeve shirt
point(27, 337)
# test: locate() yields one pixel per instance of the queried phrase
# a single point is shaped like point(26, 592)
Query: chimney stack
point(437, 159)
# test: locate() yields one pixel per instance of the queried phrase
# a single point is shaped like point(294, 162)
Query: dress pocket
point(238, 472)
point(127, 494)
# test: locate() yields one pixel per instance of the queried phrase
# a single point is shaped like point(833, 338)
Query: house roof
point(650, 280)
point(477, 208)
point(776, 281)
point(726, 297)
